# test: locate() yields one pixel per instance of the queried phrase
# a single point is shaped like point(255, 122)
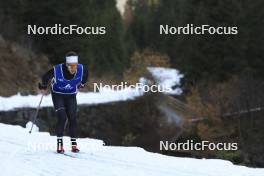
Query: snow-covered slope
point(168, 78)
point(104, 96)
point(33, 154)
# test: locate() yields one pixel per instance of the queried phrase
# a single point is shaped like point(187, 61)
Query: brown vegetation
point(20, 69)
point(139, 63)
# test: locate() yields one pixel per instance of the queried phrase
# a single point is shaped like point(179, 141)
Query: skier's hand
point(81, 86)
point(42, 89)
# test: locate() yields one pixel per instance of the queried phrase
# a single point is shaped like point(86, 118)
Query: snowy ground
point(105, 96)
point(20, 156)
point(168, 78)
point(165, 77)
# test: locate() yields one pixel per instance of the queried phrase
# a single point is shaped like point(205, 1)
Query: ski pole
point(36, 114)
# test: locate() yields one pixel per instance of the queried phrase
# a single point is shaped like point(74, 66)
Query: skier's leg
point(71, 110)
point(58, 102)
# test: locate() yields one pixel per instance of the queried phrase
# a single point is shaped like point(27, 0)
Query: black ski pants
point(65, 106)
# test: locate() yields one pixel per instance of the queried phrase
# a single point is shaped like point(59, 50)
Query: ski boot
point(74, 145)
point(60, 145)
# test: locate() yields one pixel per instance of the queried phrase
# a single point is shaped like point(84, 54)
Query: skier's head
point(72, 61)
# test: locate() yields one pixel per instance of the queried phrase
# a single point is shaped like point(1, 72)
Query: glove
point(81, 86)
point(42, 86)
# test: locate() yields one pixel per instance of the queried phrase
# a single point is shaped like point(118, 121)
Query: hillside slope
point(20, 68)
point(25, 154)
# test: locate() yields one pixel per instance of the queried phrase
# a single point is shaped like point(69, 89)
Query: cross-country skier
point(65, 80)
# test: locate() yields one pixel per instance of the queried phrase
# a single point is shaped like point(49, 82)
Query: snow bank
point(35, 128)
point(168, 78)
point(104, 96)
point(22, 153)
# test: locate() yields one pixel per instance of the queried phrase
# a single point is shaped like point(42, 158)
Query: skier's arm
point(85, 74)
point(84, 77)
point(46, 79)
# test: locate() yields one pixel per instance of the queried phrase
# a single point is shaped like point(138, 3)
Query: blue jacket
point(64, 86)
